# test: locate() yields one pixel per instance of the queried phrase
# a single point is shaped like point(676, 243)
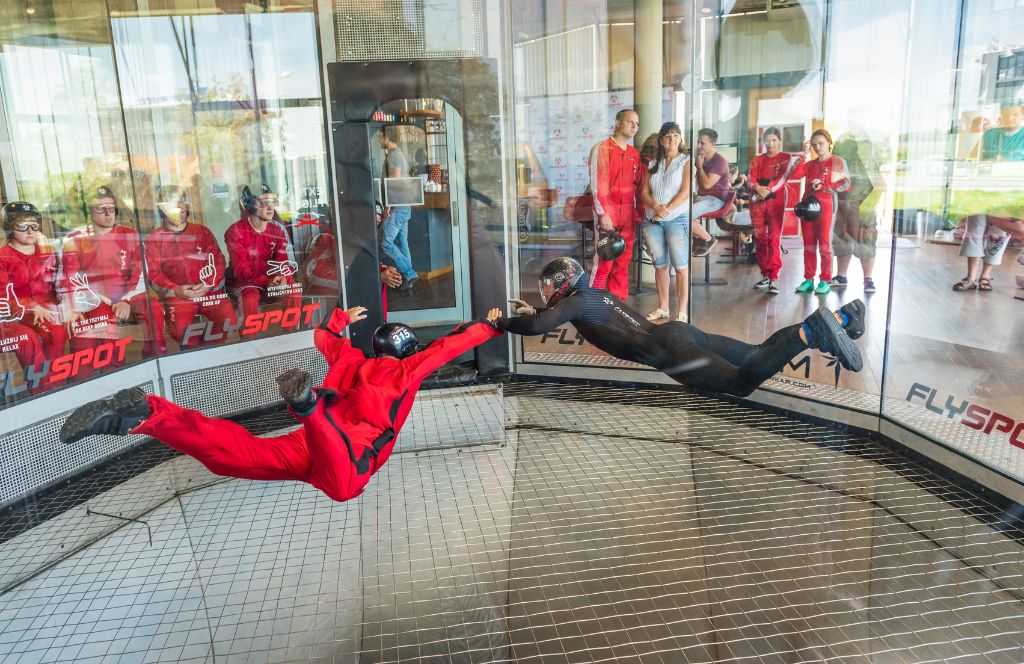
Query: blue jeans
point(668, 241)
point(705, 205)
point(395, 240)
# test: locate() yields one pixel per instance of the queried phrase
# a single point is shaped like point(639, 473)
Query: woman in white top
point(665, 193)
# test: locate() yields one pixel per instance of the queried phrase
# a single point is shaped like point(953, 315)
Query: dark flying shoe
point(297, 390)
point(855, 318)
point(112, 416)
point(828, 336)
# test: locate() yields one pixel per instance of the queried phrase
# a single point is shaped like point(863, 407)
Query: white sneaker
point(773, 287)
point(682, 317)
point(763, 283)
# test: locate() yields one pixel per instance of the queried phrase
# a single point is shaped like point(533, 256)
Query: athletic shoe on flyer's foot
point(763, 283)
point(110, 416)
point(854, 311)
point(806, 286)
point(822, 288)
point(828, 336)
point(838, 282)
point(869, 285)
point(773, 287)
point(296, 388)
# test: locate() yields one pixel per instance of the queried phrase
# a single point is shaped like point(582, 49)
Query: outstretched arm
point(542, 321)
point(464, 337)
point(329, 339)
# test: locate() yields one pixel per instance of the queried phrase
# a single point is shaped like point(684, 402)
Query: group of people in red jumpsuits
point(72, 298)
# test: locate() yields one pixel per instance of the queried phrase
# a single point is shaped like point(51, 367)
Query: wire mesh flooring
point(556, 523)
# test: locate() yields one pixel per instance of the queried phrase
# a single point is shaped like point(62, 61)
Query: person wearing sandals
point(665, 192)
point(985, 240)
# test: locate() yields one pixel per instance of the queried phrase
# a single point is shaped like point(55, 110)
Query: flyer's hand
point(356, 314)
point(122, 310)
point(278, 281)
point(522, 308)
point(605, 223)
point(182, 291)
point(494, 314)
point(10, 309)
point(208, 273)
point(72, 318)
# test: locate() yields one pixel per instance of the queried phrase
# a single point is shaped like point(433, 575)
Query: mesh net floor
point(556, 523)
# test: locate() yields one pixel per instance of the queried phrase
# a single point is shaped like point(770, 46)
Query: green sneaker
point(823, 288)
point(806, 287)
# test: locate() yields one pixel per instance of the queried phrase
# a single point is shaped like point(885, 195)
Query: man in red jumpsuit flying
point(615, 175)
point(186, 266)
point(261, 261)
point(103, 280)
point(349, 425)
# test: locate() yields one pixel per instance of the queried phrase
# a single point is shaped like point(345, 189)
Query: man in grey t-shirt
point(394, 237)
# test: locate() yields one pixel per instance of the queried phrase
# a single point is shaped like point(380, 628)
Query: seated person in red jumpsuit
point(321, 271)
point(349, 425)
point(103, 279)
point(30, 318)
point(260, 256)
point(186, 266)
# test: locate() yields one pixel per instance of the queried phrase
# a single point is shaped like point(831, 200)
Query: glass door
point(420, 185)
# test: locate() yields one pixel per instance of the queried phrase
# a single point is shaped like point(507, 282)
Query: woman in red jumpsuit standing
point(349, 425)
point(30, 320)
point(769, 172)
point(824, 178)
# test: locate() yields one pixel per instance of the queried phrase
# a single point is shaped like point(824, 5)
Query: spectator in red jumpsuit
point(825, 178)
point(103, 280)
point(30, 319)
point(349, 425)
point(260, 255)
point(769, 172)
point(186, 267)
point(615, 176)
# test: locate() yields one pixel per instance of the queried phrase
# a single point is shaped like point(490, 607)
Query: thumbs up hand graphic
point(11, 310)
point(208, 273)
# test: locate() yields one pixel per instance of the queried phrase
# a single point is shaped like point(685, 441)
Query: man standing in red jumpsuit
point(30, 319)
point(615, 175)
point(261, 261)
point(349, 425)
point(103, 280)
point(187, 267)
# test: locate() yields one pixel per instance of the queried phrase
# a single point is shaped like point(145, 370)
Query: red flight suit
point(27, 281)
point(188, 258)
point(362, 407)
point(767, 215)
point(255, 259)
point(111, 265)
point(615, 176)
point(833, 176)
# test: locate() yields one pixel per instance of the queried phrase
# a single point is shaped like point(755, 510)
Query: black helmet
point(16, 211)
point(564, 275)
point(394, 339)
point(610, 246)
point(248, 197)
point(809, 209)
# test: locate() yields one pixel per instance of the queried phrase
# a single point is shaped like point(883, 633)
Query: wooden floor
point(969, 346)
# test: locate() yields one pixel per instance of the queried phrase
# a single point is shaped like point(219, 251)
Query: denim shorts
point(668, 241)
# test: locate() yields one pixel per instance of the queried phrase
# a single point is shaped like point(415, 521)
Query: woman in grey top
point(665, 193)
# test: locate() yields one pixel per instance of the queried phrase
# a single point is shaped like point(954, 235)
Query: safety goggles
point(266, 202)
point(104, 209)
point(26, 226)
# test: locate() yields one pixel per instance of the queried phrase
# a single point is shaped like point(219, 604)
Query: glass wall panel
point(176, 161)
point(956, 348)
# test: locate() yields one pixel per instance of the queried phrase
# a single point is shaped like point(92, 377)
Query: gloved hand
point(521, 308)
